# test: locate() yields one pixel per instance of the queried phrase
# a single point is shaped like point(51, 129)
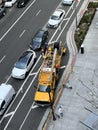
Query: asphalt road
point(16, 30)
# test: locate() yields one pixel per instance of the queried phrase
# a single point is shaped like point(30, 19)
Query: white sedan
point(67, 2)
point(9, 3)
point(56, 18)
point(24, 64)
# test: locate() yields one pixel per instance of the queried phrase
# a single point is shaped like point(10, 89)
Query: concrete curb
point(73, 53)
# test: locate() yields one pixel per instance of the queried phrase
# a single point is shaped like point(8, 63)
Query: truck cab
point(44, 95)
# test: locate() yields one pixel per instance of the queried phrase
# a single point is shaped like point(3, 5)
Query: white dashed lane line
point(22, 33)
point(38, 12)
point(2, 59)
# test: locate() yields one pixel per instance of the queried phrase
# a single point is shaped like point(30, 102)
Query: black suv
point(39, 40)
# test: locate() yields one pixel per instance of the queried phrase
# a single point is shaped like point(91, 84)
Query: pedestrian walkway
point(84, 82)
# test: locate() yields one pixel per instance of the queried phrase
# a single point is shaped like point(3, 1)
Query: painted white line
point(22, 98)
point(62, 67)
point(22, 33)
point(45, 26)
point(2, 59)
point(60, 25)
point(64, 26)
point(17, 20)
point(8, 78)
point(65, 19)
point(31, 74)
point(38, 12)
point(34, 106)
point(27, 116)
point(19, 89)
point(9, 114)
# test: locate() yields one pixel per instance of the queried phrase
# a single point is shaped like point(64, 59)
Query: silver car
point(56, 18)
point(67, 2)
point(24, 64)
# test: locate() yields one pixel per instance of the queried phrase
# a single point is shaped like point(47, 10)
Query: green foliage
point(85, 23)
point(93, 5)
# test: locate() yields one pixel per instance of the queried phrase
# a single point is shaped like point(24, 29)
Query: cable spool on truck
point(48, 75)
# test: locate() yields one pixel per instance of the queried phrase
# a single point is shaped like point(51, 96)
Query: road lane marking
point(22, 33)
point(32, 107)
point(9, 114)
point(22, 99)
point(17, 20)
point(20, 88)
point(31, 74)
point(64, 26)
point(2, 59)
point(60, 25)
point(62, 67)
point(8, 78)
point(38, 12)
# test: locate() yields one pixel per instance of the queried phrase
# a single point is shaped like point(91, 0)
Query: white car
point(67, 2)
point(9, 3)
point(56, 18)
point(7, 93)
point(24, 64)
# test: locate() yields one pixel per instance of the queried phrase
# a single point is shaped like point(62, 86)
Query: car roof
point(58, 12)
point(4, 89)
point(25, 56)
point(40, 33)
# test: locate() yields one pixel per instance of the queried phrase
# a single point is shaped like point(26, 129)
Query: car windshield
point(54, 17)
point(42, 88)
point(37, 39)
point(20, 65)
point(22, 62)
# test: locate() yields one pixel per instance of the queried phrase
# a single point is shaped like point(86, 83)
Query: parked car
point(56, 18)
point(24, 64)
point(21, 3)
point(9, 3)
point(2, 10)
point(7, 93)
point(39, 39)
point(67, 2)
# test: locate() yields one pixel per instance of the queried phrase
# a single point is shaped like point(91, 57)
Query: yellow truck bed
point(44, 77)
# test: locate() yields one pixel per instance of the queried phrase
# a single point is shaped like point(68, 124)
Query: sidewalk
point(83, 77)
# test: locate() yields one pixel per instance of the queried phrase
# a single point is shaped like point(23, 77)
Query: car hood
point(18, 72)
point(41, 96)
point(53, 22)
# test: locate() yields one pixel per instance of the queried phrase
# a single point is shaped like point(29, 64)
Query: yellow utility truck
point(48, 75)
